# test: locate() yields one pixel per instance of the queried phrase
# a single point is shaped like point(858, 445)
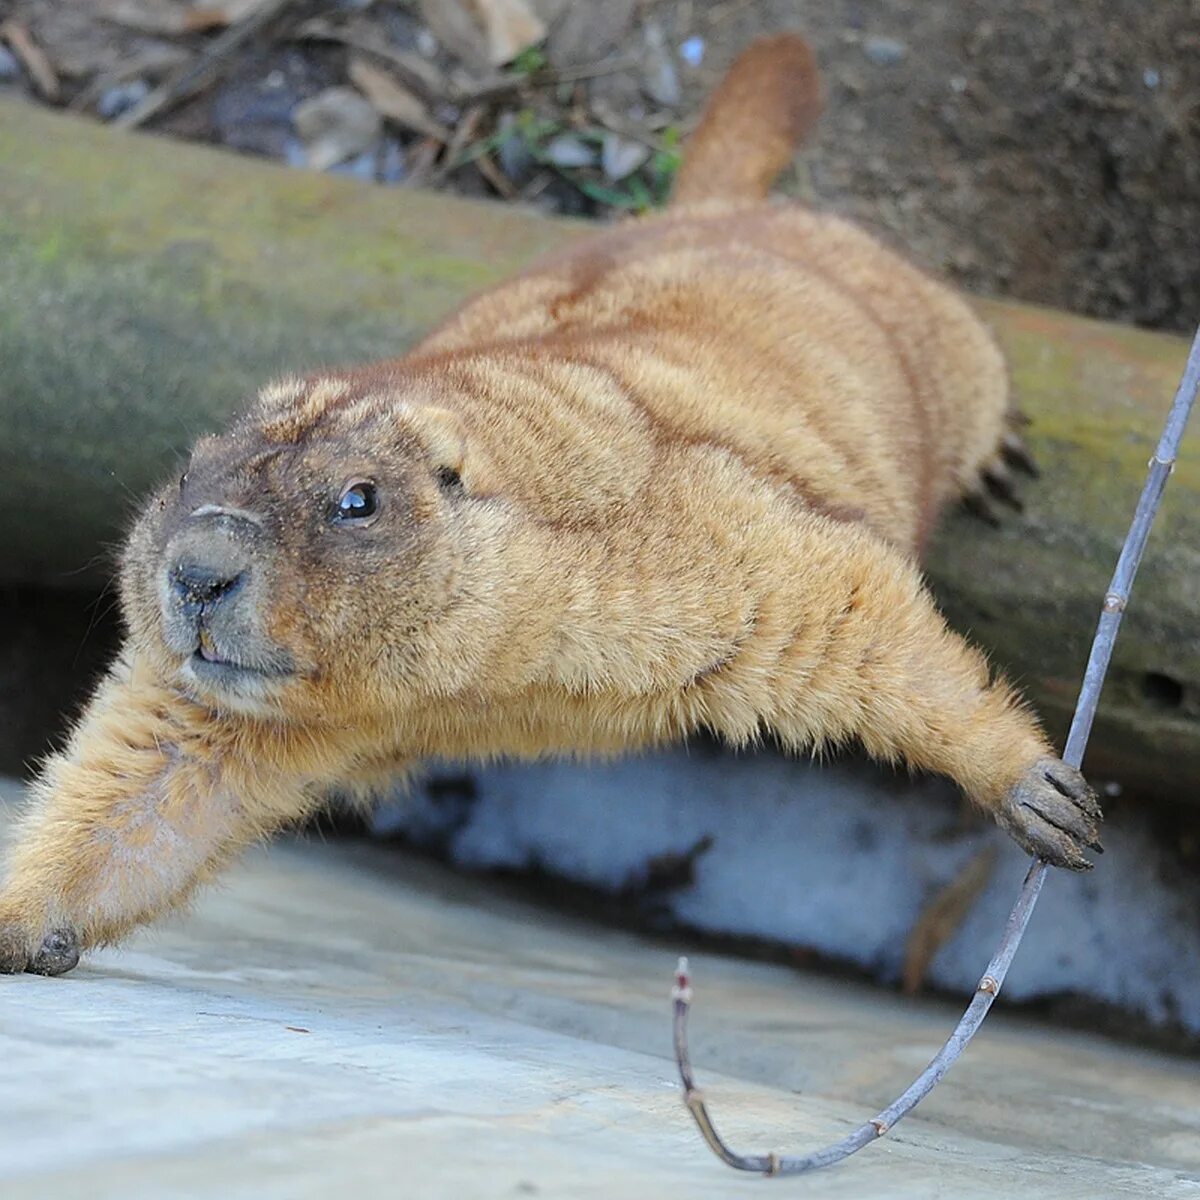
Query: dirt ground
point(1042, 149)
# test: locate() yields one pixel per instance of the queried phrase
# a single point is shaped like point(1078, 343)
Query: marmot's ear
point(441, 433)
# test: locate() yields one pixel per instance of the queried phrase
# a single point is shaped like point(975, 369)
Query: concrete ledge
point(348, 1022)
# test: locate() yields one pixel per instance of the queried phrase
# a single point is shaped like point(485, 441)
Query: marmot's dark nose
point(202, 586)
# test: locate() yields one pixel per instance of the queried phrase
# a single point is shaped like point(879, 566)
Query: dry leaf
point(394, 101)
point(155, 16)
point(509, 26)
point(148, 17)
point(360, 34)
point(584, 33)
point(492, 173)
point(483, 33)
point(31, 55)
point(335, 124)
point(453, 24)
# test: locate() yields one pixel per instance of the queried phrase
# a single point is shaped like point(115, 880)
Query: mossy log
point(148, 286)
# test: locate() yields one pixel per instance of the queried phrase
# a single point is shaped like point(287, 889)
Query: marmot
point(676, 477)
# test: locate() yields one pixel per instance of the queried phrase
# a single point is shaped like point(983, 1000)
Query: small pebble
point(427, 44)
point(294, 153)
point(10, 69)
point(566, 150)
point(362, 166)
point(1151, 78)
point(692, 51)
point(884, 51)
point(659, 77)
point(116, 100)
point(516, 160)
point(391, 164)
point(958, 84)
point(620, 157)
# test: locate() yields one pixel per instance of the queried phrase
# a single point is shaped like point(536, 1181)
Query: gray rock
point(692, 50)
point(116, 100)
point(566, 150)
point(621, 156)
point(10, 69)
point(885, 51)
point(516, 158)
point(659, 75)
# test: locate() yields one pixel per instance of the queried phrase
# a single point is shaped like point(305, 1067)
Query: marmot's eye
point(357, 504)
point(449, 479)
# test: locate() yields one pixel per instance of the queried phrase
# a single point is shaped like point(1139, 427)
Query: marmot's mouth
point(215, 668)
point(209, 664)
point(208, 651)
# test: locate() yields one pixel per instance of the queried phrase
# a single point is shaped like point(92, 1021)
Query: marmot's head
point(302, 552)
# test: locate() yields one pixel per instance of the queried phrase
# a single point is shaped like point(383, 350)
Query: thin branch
point(1112, 610)
point(32, 56)
point(212, 61)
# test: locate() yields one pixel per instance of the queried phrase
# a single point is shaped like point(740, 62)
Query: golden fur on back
point(674, 478)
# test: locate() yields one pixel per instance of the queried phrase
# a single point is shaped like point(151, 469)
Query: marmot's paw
point(1053, 813)
point(57, 953)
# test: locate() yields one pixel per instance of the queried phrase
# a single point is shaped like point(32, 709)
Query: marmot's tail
point(753, 123)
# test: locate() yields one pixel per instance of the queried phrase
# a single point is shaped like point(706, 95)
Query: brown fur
point(755, 120)
point(675, 478)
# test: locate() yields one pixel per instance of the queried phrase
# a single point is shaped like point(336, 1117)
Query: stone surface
point(845, 857)
point(345, 1021)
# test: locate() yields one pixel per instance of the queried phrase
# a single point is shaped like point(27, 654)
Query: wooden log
point(149, 286)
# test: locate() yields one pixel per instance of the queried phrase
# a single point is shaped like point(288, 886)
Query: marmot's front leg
point(862, 652)
point(150, 797)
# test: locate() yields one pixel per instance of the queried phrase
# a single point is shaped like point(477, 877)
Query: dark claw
point(1053, 813)
point(1068, 782)
point(1016, 454)
point(58, 953)
point(976, 503)
point(1000, 484)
